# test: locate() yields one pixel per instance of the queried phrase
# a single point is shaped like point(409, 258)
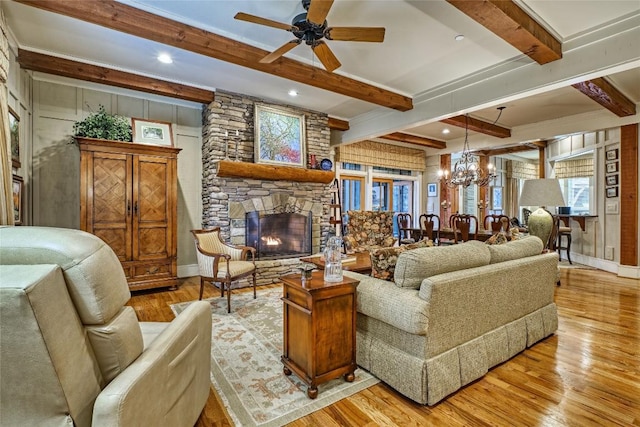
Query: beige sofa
point(454, 312)
point(72, 353)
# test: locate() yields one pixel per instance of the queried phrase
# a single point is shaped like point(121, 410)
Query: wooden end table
point(319, 329)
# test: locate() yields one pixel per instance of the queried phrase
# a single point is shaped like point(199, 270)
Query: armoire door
point(152, 234)
point(110, 208)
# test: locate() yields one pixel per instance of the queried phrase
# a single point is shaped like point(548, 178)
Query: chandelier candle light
point(467, 170)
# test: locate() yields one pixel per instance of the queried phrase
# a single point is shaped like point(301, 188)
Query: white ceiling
point(419, 58)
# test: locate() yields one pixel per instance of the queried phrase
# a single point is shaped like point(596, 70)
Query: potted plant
point(103, 125)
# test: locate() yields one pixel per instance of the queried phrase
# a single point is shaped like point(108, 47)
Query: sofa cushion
point(414, 266)
point(515, 249)
point(383, 260)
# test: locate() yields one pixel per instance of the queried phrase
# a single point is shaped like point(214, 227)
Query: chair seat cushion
point(236, 268)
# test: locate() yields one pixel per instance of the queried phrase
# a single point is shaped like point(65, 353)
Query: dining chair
point(562, 231)
point(430, 226)
point(404, 222)
point(219, 262)
point(496, 222)
point(463, 225)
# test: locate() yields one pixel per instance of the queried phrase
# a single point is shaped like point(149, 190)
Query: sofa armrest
point(169, 383)
point(384, 301)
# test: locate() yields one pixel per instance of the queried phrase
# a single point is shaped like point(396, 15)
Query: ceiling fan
point(311, 27)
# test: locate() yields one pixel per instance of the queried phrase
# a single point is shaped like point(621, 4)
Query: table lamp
point(541, 193)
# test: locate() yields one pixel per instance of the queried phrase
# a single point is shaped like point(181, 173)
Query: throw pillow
point(383, 260)
point(497, 239)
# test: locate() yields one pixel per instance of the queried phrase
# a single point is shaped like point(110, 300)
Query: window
point(577, 194)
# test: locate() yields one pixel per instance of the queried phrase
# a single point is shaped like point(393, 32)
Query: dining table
point(447, 233)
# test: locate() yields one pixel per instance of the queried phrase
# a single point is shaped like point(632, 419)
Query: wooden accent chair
point(221, 263)
point(463, 224)
point(496, 222)
point(430, 227)
point(404, 222)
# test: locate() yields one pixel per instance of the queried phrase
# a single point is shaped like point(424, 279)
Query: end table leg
point(312, 392)
point(349, 377)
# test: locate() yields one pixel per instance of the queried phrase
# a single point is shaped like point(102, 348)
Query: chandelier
point(467, 170)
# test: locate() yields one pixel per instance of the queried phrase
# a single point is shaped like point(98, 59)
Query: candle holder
point(226, 145)
point(237, 136)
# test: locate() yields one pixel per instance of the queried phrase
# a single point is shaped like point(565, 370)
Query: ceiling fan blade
point(326, 56)
point(262, 21)
point(356, 34)
point(318, 11)
point(279, 52)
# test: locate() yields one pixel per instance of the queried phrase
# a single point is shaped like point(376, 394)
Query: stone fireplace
point(228, 202)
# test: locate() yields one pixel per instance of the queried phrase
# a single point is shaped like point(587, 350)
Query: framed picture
point(496, 198)
point(153, 133)
point(612, 191)
point(612, 179)
point(16, 186)
point(14, 130)
point(612, 154)
point(612, 167)
point(279, 137)
point(432, 189)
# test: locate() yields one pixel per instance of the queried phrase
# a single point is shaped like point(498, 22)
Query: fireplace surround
point(279, 235)
point(227, 199)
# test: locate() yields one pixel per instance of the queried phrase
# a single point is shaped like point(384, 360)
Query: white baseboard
point(629, 271)
point(599, 263)
point(189, 270)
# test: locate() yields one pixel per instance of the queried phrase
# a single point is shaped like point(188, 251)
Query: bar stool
point(565, 232)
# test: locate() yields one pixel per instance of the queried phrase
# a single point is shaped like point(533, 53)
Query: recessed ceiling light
point(459, 37)
point(165, 58)
point(293, 93)
point(445, 131)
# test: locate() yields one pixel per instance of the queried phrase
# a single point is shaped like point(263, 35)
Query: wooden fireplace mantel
point(231, 169)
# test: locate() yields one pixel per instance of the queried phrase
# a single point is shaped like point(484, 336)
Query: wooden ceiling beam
point(508, 21)
point(416, 140)
point(478, 125)
point(607, 95)
point(337, 124)
point(93, 73)
point(121, 17)
point(504, 150)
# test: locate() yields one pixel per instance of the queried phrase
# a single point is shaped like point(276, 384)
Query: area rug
point(245, 363)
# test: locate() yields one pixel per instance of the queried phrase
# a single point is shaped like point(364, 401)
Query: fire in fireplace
point(280, 235)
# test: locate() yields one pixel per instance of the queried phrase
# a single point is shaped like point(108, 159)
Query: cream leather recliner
point(72, 353)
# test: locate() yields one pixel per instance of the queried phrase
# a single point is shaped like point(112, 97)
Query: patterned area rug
point(246, 369)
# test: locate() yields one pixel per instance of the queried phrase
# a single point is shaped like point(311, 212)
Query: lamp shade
point(541, 192)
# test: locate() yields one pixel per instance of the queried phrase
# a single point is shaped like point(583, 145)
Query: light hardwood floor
point(587, 374)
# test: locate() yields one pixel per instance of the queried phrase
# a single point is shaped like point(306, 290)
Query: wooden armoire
point(128, 198)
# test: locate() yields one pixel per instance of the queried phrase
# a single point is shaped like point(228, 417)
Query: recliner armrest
point(169, 383)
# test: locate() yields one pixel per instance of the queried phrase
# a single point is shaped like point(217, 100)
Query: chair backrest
point(496, 222)
point(404, 222)
point(367, 228)
point(463, 226)
point(209, 241)
point(429, 223)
